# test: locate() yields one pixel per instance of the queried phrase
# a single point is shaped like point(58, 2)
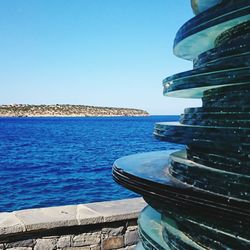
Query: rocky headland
point(65, 110)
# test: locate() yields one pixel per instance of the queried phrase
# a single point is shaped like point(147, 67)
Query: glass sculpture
point(199, 198)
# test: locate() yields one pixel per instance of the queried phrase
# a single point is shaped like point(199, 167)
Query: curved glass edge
point(187, 48)
point(200, 6)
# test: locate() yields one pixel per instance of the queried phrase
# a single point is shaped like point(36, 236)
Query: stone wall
point(93, 226)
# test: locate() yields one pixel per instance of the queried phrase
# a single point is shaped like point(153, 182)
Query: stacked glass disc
point(199, 198)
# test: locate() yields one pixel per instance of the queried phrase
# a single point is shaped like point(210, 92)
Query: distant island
point(65, 110)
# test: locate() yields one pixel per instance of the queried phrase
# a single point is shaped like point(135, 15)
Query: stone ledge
point(65, 216)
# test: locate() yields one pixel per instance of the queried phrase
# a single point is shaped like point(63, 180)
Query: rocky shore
point(65, 110)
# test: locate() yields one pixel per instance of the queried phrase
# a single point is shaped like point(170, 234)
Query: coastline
point(69, 116)
point(66, 110)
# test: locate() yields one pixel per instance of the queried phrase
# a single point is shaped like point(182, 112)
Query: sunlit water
point(62, 161)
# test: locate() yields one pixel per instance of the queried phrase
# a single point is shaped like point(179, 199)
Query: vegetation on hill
point(26, 110)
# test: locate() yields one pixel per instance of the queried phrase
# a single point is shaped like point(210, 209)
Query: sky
point(93, 52)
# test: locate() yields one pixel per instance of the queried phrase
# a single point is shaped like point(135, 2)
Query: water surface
point(61, 161)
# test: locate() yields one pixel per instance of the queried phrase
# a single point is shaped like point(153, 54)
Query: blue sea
point(61, 161)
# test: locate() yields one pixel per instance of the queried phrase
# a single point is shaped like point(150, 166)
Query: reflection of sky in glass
point(202, 5)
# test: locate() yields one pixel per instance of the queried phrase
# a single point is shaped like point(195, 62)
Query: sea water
point(61, 161)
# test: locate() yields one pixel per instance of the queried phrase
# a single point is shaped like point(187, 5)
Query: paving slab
point(119, 209)
point(47, 218)
point(10, 224)
point(86, 215)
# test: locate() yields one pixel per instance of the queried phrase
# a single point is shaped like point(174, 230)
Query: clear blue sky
point(93, 52)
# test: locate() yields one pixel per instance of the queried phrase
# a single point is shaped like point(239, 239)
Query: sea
point(61, 161)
